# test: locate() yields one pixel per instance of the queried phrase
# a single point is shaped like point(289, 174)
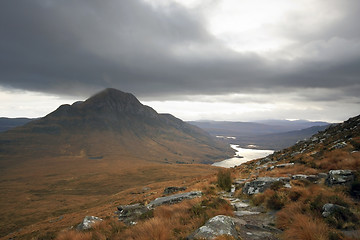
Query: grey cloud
point(80, 47)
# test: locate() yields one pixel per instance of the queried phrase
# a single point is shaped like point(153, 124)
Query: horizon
point(70, 102)
point(195, 59)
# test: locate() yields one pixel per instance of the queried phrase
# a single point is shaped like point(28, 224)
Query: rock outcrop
point(340, 177)
point(129, 214)
point(214, 227)
point(172, 199)
point(330, 208)
point(88, 223)
point(260, 184)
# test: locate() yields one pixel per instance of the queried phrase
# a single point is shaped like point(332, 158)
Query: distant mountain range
point(9, 123)
point(267, 134)
point(110, 124)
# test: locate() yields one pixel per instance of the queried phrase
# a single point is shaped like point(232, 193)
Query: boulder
point(284, 165)
point(172, 199)
point(170, 190)
point(214, 227)
point(88, 223)
point(338, 145)
point(129, 214)
point(260, 184)
point(340, 177)
point(330, 208)
point(311, 178)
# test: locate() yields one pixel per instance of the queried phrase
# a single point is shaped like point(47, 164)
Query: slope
point(108, 124)
point(80, 154)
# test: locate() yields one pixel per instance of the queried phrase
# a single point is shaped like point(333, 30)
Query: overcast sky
point(196, 59)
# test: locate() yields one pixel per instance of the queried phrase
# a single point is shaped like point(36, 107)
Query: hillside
point(80, 155)
point(309, 191)
point(9, 123)
point(267, 134)
point(108, 124)
point(279, 141)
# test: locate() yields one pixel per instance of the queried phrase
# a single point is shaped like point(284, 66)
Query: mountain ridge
point(109, 123)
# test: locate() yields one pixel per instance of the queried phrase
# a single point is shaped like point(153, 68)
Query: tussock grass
point(307, 228)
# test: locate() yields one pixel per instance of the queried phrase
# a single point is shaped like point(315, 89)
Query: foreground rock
point(216, 226)
point(88, 223)
point(330, 208)
point(311, 178)
point(129, 214)
point(340, 177)
point(260, 184)
point(174, 198)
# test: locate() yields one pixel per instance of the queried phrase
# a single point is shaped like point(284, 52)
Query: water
point(245, 153)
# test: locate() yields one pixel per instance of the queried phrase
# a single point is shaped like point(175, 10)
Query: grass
point(224, 179)
point(35, 194)
point(307, 228)
point(168, 222)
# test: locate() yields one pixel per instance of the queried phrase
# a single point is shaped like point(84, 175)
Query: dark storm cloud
point(79, 47)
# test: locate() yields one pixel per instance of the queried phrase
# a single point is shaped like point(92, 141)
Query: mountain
point(278, 141)
point(310, 190)
point(292, 124)
point(109, 124)
point(8, 123)
point(267, 134)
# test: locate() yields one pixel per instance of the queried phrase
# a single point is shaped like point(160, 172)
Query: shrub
point(275, 202)
point(276, 185)
point(224, 180)
point(342, 219)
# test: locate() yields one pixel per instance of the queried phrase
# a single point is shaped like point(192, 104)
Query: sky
point(236, 60)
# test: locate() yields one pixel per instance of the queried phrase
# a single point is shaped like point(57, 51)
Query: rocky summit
point(110, 124)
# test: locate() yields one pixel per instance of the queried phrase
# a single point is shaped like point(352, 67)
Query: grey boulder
point(88, 223)
point(214, 227)
point(129, 214)
point(260, 184)
point(172, 199)
point(340, 177)
point(330, 208)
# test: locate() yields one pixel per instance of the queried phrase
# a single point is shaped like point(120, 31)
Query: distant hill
point(9, 123)
point(278, 141)
point(109, 124)
point(292, 125)
point(267, 134)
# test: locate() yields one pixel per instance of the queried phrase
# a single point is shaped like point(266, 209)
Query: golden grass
point(306, 228)
point(338, 159)
point(169, 222)
point(34, 196)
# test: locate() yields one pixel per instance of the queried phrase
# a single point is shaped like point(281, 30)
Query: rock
point(240, 205)
point(260, 184)
point(88, 223)
point(311, 178)
point(330, 208)
point(170, 190)
point(174, 198)
point(322, 175)
point(131, 213)
point(339, 145)
point(245, 213)
point(145, 189)
point(216, 226)
point(340, 177)
point(284, 165)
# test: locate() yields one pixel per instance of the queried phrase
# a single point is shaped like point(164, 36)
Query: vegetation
point(224, 179)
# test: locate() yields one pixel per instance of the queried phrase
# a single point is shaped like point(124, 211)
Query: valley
point(88, 158)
